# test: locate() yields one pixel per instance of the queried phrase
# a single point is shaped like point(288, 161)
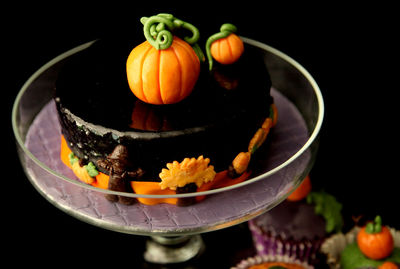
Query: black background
point(349, 50)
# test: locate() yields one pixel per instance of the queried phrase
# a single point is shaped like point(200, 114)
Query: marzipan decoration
point(225, 47)
point(242, 160)
point(375, 240)
point(120, 174)
point(190, 170)
point(80, 170)
point(164, 68)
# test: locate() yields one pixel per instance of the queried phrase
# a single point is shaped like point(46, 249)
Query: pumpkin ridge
point(150, 79)
point(190, 52)
point(217, 48)
point(141, 71)
point(228, 44)
point(159, 77)
point(179, 73)
point(238, 46)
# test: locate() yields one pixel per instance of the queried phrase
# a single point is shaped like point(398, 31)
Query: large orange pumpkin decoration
point(375, 241)
point(165, 68)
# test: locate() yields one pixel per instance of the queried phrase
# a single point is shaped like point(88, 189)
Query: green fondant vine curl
point(157, 30)
point(225, 30)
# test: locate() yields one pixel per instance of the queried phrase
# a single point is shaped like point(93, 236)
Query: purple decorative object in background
point(292, 229)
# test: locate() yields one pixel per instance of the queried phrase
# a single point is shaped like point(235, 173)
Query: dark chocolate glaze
point(95, 107)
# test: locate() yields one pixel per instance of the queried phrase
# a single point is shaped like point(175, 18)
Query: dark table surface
point(348, 50)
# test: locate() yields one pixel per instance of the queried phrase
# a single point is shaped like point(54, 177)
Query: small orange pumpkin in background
point(164, 76)
point(375, 241)
point(225, 47)
point(388, 265)
point(227, 50)
point(302, 191)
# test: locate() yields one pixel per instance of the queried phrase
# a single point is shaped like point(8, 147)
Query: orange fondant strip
point(65, 151)
point(221, 180)
point(143, 187)
point(101, 179)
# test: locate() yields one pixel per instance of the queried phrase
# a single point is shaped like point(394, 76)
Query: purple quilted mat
point(216, 211)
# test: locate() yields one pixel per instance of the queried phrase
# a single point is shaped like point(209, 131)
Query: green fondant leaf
point(91, 169)
point(352, 258)
point(329, 208)
point(72, 158)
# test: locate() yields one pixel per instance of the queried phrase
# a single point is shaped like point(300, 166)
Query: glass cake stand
point(174, 231)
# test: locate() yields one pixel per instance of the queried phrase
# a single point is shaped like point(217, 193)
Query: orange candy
point(65, 151)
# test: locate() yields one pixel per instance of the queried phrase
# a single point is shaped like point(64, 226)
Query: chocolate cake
point(98, 111)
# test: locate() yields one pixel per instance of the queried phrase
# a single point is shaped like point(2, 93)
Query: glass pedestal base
point(176, 249)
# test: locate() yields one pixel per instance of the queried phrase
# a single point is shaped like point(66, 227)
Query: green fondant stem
point(195, 32)
point(157, 30)
point(158, 36)
point(198, 52)
point(375, 226)
point(225, 30)
point(271, 112)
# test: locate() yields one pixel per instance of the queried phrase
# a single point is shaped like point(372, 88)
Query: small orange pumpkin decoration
point(225, 47)
point(388, 265)
point(164, 76)
point(227, 50)
point(375, 241)
point(302, 191)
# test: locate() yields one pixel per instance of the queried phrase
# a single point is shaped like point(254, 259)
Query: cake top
point(164, 68)
point(96, 84)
